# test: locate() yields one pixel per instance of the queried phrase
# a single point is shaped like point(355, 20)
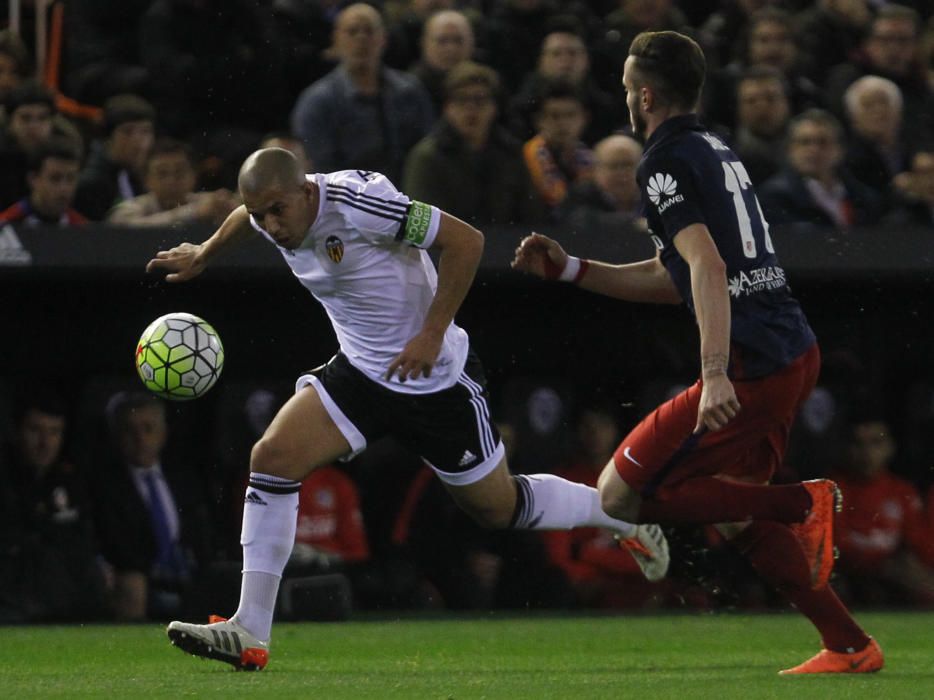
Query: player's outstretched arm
point(461, 247)
point(647, 281)
point(188, 260)
point(718, 403)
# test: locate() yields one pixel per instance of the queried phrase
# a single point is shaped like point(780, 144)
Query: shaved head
point(269, 167)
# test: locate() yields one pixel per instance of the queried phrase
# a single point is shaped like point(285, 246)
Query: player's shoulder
point(368, 181)
point(668, 156)
point(360, 193)
point(688, 151)
point(351, 178)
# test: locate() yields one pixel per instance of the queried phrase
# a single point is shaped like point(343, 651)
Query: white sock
point(258, 591)
point(269, 515)
point(548, 502)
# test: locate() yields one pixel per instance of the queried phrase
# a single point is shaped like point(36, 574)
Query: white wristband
point(569, 273)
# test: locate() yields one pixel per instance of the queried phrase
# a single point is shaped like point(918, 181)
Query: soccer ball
point(179, 356)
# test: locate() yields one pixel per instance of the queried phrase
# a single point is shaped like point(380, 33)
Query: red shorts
point(663, 450)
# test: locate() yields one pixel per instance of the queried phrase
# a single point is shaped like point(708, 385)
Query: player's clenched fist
point(541, 256)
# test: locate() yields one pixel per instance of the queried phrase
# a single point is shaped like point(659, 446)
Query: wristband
point(574, 270)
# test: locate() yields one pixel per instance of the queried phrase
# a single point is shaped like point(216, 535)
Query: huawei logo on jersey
point(335, 248)
point(661, 184)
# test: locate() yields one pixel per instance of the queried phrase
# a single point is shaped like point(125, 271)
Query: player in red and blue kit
point(707, 455)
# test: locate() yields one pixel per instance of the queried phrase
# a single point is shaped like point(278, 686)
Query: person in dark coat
point(114, 169)
point(467, 166)
point(814, 189)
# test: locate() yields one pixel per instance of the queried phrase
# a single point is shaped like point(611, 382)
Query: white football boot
point(650, 550)
point(222, 640)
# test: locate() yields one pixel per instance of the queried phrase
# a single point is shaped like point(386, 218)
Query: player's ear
point(647, 97)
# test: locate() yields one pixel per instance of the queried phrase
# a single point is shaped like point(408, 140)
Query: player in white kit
point(403, 368)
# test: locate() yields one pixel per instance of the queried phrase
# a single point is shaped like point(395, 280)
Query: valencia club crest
point(335, 247)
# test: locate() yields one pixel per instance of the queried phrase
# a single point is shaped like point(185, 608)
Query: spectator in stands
point(814, 189)
point(330, 529)
point(722, 29)
point(467, 166)
point(152, 519)
point(763, 112)
point(101, 49)
point(564, 56)
point(447, 40)
point(611, 199)
point(927, 52)
point(303, 31)
point(915, 190)
point(114, 169)
point(361, 115)
point(52, 178)
point(50, 570)
point(14, 63)
point(876, 152)
point(881, 530)
point(291, 143)
point(601, 573)
point(406, 25)
point(28, 124)
point(828, 32)
point(31, 121)
point(769, 44)
point(516, 30)
point(892, 50)
point(629, 19)
point(170, 180)
point(555, 157)
point(216, 71)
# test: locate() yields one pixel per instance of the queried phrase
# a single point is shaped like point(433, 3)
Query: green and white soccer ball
point(179, 356)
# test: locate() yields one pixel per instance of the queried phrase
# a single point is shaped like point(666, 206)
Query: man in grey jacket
point(362, 115)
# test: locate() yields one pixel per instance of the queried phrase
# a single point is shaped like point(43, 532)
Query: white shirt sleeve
point(372, 205)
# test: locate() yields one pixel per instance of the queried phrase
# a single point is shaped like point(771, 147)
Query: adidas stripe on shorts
point(450, 429)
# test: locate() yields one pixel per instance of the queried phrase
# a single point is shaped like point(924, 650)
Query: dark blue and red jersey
point(689, 176)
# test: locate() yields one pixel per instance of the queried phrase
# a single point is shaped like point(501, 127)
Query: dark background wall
point(73, 313)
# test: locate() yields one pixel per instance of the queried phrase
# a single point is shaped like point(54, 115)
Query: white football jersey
point(364, 259)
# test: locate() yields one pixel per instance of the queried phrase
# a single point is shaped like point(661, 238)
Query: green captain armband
point(417, 223)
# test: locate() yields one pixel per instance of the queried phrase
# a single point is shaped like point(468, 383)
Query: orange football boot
point(815, 533)
point(868, 660)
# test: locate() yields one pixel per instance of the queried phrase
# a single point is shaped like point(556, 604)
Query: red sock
point(775, 553)
point(708, 500)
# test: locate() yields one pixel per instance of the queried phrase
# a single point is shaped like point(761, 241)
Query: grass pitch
point(576, 658)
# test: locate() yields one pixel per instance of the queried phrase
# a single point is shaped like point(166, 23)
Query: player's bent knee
point(269, 458)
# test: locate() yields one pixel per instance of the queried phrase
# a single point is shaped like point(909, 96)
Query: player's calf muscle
point(491, 502)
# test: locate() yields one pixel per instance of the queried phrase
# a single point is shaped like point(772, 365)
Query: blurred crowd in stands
point(130, 510)
point(500, 112)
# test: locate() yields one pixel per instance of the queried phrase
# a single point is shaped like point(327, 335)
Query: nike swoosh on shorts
point(628, 456)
